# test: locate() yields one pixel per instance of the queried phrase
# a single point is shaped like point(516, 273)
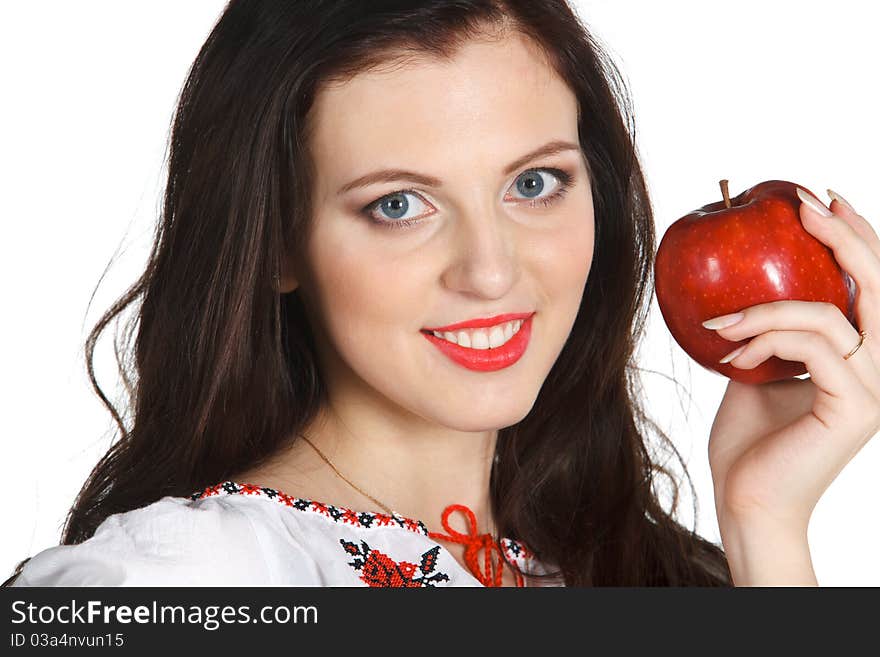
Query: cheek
point(564, 254)
point(363, 295)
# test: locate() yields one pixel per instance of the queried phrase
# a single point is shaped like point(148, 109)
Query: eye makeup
point(565, 178)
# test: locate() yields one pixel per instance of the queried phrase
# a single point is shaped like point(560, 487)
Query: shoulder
point(171, 542)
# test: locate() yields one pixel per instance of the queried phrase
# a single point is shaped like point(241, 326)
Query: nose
point(484, 261)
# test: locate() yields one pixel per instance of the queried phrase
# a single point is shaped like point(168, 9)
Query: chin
point(477, 418)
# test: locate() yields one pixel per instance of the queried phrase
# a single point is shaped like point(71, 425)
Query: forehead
point(500, 96)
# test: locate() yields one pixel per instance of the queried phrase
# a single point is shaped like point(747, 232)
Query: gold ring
point(862, 336)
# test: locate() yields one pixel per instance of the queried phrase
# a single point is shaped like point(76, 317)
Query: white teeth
point(496, 337)
point(482, 338)
point(479, 339)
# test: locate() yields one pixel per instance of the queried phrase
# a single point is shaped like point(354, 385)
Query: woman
point(295, 360)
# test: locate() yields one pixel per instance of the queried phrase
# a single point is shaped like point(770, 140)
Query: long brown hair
point(225, 371)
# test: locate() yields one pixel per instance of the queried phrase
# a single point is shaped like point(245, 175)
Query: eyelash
point(565, 182)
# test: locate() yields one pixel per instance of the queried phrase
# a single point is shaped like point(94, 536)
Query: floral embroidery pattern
point(336, 513)
point(514, 550)
point(379, 570)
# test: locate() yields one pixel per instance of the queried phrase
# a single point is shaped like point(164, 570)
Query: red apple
point(739, 252)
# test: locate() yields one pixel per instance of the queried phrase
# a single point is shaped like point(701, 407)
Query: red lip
point(487, 360)
point(482, 323)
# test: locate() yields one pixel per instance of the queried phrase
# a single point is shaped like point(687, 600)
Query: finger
point(827, 369)
point(851, 250)
point(816, 316)
point(841, 401)
point(843, 209)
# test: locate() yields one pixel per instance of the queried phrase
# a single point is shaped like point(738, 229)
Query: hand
point(775, 448)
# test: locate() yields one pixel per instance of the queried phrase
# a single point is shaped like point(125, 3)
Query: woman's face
point(486, 239)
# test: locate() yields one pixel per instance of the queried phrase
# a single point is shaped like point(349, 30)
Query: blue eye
point(396, 205)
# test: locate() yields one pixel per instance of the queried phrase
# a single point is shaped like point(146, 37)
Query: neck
point(414, 470)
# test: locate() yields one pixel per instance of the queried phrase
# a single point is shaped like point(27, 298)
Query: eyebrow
point(389, 175)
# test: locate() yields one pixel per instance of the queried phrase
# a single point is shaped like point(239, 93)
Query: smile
point(487, 338)
point(485, 349)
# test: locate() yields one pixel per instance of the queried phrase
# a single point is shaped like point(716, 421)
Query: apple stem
point(725, 192)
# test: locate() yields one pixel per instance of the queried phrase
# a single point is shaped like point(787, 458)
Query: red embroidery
point(321, 508)
point(379, 570)
point(350, 517)
point(384, 520)
point(210, 491)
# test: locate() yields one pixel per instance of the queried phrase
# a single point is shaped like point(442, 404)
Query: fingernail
point(837, 197)
point(723, 321)
point(733, 354)
point(814, 203)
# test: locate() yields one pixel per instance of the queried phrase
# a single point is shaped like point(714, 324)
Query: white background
point(749, 92)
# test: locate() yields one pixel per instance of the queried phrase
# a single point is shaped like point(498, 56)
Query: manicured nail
point(814, 203)
point(733, 354)
point(723, 321)
point(837, 197)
